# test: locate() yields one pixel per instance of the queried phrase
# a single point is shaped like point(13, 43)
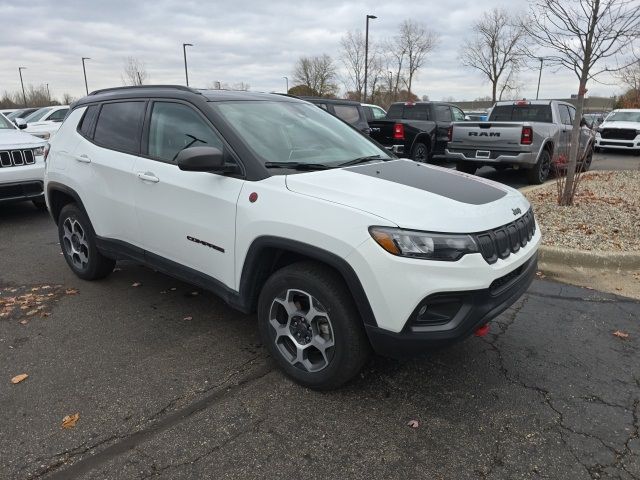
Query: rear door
point(106, 160)
point(443, 121)
point(185, 217)
point(565, 131)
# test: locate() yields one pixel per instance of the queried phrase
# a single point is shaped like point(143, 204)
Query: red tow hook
point(482, 330)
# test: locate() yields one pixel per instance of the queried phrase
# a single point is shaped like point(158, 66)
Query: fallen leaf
point(136, 284)
point(620, 334)
point(45, 314)
point(24, 322)
point(618, 288)
point(19, 378)
point(188, 318)
point(32, 312)
point(70, 420)
point(71, 291)
point(413, 423)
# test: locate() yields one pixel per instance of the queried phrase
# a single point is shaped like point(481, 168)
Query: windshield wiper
point(358, 160)
point(297, 165)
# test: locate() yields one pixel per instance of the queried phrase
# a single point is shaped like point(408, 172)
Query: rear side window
point(348, 113)
point(521, 113)
point(58, 115)
point(565, 117)
point(119, 125)
point(443, 113)
point(88, 121)
point(395, 111)
point(416, 112)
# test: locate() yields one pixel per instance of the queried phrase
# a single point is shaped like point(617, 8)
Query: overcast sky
point(256, 42)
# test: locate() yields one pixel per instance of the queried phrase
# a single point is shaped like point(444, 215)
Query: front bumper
point(488, 156)
point(477, 308)
point(618, 144)
point(25, 182)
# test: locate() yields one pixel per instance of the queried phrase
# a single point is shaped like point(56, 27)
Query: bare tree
point(318, 74)
point(67, 99)
point(135, 72)
point(418, 41)
point(496, 49)
point(352, 46)
point(630, 79)
point(580, 35)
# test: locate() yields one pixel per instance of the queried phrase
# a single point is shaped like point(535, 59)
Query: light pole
point(48, 93)
point(184, 52)
point(539, 76)
point(24, 97)
point(366, 54)
point(287, 80)
point(84, 70)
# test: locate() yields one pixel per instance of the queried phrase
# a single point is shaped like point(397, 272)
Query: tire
point(540, 172)
point(586, 163)
point(293, 333)
point(421, 153)
point(469, 168)
point(78, 243)
point(40, 205)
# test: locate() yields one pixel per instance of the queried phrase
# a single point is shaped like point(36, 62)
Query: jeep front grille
point(16, 158)
point(507, 239)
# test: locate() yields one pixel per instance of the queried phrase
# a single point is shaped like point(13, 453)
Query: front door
point(186, 217)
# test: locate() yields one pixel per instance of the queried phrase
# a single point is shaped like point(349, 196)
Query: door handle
point(148, 177)
point(83, 158)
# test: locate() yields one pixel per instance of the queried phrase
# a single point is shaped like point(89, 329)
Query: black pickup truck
point(417, 130)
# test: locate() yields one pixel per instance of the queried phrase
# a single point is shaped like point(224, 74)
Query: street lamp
point(539, 76)
point(287, 80)
point(84, 70)
point(184, 52)
point(24, 97)
point(366, 54)
point(48, 93)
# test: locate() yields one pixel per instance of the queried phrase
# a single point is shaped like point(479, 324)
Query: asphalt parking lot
point(170, 383)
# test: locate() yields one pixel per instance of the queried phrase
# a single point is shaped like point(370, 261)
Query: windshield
point(37, 115)
point(294, 132)
point(5, 124)
point(624, 117)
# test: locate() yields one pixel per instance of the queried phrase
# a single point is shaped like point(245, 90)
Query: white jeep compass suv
point(285, 210)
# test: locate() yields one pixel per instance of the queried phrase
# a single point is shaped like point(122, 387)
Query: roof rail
point(116, 89)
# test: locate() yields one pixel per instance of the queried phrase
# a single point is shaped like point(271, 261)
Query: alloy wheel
point(75, 243)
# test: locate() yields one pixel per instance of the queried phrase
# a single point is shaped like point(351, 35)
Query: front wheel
point(78, 243)
point(310, 325)
point(540, 171)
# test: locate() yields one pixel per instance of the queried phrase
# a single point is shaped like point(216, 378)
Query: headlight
point(44, 135)
point(425, 245)
point(38, 152)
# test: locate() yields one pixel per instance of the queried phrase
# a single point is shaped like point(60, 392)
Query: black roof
point(328, 100)
point(177, 91)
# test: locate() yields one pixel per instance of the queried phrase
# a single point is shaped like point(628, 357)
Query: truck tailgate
point(486, 134)
point(382, 131)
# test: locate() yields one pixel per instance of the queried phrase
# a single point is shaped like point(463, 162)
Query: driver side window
point(174, 127)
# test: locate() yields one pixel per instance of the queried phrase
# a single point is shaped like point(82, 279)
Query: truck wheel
point(310, 325)
point(586, 163)
point(540, 171)
point(78, 243)
point(469, 168)
point(421, 153)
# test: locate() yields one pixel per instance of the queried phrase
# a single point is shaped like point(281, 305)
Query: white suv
point(284, 210)
point(21, 165)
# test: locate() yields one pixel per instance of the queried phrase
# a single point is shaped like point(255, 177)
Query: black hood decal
point(434, 180)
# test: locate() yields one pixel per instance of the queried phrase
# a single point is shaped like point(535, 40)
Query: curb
point(555, 256)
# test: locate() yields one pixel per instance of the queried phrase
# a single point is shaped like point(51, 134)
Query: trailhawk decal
point(439, 181)
point(206, 244)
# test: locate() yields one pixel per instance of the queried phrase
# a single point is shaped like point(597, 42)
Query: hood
point(10, 139)
point(416, 196)
point(630, 125)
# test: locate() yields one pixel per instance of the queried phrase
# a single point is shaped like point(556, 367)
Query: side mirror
point(20, 123)
point(467, 118)
point(201, 159)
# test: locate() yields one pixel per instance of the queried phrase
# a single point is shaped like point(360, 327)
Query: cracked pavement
point(550, 393)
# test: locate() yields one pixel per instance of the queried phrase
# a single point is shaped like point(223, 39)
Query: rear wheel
point(310, 325)
point(421, 153)
point(540, 171)
point(469, 168)
point(78, 243)
point(586, 163)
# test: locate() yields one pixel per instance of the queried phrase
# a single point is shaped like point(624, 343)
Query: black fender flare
point(59, 187)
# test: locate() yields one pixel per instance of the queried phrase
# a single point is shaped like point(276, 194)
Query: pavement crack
point(614, 301)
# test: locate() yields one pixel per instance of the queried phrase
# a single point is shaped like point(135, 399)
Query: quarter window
point(443, 113)
point(565, 117)
point(119, 125)
point(458, 116)
point(174, 127)
point(89, 120)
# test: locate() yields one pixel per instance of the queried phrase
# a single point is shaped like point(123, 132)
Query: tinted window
point(119, 126)
point(174, 127)
point(416, 112)
point(89, 120)
point(458, 116)
point(443, 113)
point(564, 114)
point(572, 113)
point(58, 115)
point(395, 111)
point(378, 113)
point(521, 113)
point(348, 113)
